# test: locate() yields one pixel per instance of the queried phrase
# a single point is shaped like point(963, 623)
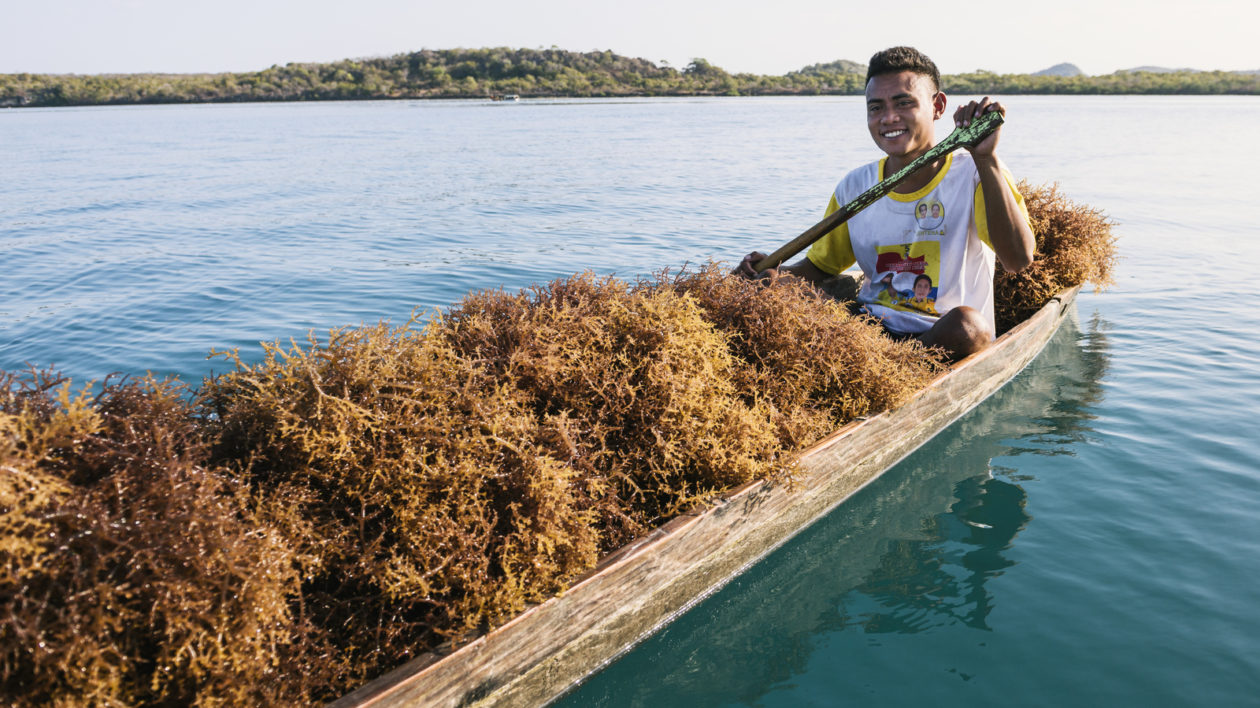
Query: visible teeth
point(893, 134)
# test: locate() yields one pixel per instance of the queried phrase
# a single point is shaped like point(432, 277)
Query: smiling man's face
point(901, 110)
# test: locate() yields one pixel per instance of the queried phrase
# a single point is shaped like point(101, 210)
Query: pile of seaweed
point(1075, 245)
point(299, 525)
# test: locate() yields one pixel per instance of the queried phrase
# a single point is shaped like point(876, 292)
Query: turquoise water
point(1085, 536)
point(138, 238)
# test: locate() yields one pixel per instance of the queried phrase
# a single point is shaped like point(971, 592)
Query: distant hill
point(1064, 69)
point(840, 66)
point(1158, 70)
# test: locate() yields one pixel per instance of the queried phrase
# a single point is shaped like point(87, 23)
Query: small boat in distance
point(505, 97)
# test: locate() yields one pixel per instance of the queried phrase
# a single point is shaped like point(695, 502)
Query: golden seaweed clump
point(434, 507)
point(634, 388)
point(1075, 245)
point(131, 573)
point(301, 524)
point(804, 355)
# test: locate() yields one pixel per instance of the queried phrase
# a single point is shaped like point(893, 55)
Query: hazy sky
point(763, 36)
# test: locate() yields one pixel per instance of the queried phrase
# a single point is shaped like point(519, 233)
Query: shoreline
point(546, 97)
point(495, 72)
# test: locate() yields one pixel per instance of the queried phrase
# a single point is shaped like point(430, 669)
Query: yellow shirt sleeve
point(982, 221)
point(834, 251)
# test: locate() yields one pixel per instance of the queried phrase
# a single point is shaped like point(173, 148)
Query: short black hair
point(923, 276)
point(895, 59)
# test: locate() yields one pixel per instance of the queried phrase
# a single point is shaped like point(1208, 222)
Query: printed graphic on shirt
point(929, 214)
point(907, 274)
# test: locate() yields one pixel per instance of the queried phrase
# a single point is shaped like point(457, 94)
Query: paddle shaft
point(979, 129)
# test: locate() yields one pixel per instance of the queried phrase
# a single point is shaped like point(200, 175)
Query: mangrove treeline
point(489, 73)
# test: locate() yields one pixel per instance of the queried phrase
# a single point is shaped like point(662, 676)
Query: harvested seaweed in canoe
point(302, 524)
point(1075, 245)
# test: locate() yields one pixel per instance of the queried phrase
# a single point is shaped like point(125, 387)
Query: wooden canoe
point(545, 650)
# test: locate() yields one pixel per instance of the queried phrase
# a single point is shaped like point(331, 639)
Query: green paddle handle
point(979, 129)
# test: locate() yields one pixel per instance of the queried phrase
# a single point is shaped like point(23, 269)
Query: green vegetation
point(1121, 82)
point(487, 73)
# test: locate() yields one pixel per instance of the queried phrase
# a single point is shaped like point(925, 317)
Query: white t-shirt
point(924, 253)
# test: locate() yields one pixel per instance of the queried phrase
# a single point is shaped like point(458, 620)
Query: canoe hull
point(633, 592)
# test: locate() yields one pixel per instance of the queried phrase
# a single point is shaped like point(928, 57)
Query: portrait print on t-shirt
point(907, 275)
point(929, 214)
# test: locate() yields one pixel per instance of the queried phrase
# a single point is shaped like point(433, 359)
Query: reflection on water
point(921, 583)
point(912, 552)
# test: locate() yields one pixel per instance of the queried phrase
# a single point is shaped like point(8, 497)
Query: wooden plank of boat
point(542, 652)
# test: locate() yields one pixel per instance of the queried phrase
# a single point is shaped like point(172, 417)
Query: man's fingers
point(973, 110)
point(746, 266)
point(962, 118)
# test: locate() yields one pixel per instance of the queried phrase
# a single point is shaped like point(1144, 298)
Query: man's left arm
point(1009, 233)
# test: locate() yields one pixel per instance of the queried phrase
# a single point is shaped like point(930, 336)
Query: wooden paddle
point(979, 129)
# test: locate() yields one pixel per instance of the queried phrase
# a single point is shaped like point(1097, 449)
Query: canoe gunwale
point(545, 650)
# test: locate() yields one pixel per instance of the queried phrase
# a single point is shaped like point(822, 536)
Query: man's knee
point(961, 331)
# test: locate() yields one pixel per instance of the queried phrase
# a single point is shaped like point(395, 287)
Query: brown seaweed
point(308, 521)
point(1075, 245)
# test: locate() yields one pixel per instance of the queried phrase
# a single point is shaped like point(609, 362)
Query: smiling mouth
point(894, 133)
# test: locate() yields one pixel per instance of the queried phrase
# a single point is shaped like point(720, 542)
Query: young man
point(983, 214)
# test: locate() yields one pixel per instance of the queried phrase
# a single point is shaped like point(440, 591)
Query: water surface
point(1087, 535)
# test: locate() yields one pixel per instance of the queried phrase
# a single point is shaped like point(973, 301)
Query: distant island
point(1061, 70)
point(553, 73)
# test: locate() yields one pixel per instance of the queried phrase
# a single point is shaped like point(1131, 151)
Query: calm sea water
point(1088, 535)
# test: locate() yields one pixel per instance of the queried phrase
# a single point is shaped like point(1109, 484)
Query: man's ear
point(938, 105)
